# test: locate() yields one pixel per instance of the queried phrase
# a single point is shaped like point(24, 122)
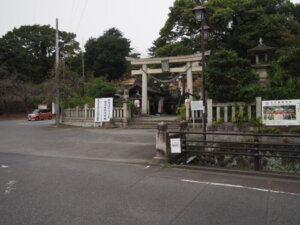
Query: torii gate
point(189, 68)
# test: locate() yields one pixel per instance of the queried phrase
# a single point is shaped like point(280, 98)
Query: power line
point(82, 13)
point(73, 11)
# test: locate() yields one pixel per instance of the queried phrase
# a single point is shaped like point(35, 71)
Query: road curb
point(240, 172)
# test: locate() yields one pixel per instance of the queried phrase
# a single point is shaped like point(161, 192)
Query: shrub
point(267, 130)
point(295, 130)
point(181, 112)
point(77, 100)
point(99, 88)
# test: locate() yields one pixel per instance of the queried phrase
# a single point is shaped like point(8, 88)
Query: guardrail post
point(256, 153)
point(162, 151)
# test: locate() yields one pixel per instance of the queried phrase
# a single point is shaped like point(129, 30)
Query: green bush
point(267, 130)
point(257, 122)
point(295, 130)
point(133, 109)
point(77, 100)
point(99, 88)
point(240, 117)
point(181, 112)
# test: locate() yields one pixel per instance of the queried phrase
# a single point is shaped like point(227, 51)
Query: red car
point(40, 114)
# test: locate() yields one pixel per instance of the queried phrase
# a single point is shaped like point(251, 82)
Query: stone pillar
point(233, 112)
point(77, 111)
point(218, 113)
point(85, 111)
point(162, 141)
point(187, 110)
point(249, 112)
point(226, 114)
point(189, 78)
point(125, 115)
point(209, 110)
point(258, 108)
point(144, 90)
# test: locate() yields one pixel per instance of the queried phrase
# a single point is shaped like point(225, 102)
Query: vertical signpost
point(103, 110)
point(197, 106)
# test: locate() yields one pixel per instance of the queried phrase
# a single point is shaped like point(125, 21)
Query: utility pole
point(83, 76)
point(57, 112)
point(203, 24)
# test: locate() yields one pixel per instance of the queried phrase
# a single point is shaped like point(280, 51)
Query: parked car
point(40, 114)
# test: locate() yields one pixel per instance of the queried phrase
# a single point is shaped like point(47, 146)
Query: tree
point(30, 51)
point(234, 24)
point(178, 35)
point(238, 24)
point(100, 87)
point(105, 56)
point(228, 75)
point(285, 77)
point(290, 62)
point(22, 95)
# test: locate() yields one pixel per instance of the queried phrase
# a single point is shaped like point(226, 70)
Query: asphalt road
point(51, 176)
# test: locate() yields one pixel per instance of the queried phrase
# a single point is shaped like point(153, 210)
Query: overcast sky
point(139, 20)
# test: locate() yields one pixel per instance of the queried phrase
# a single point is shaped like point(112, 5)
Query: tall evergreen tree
point(29, 51)
point(235, 24)
point(105, 56)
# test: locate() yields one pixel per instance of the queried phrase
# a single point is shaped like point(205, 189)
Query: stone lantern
point(262, 54)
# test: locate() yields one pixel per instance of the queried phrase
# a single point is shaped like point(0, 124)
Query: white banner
point(103, 109)
point(281, 112)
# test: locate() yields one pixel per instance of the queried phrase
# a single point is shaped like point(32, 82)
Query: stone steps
point(151, 124)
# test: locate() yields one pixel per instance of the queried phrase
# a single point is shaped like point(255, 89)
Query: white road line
point(239, 186)
point(10, 187)
point(4, 166)
point(147, 167)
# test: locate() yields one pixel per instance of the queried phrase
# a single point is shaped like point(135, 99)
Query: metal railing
point(253, 145)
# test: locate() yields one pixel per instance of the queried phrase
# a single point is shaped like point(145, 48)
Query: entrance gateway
point(191, 65)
